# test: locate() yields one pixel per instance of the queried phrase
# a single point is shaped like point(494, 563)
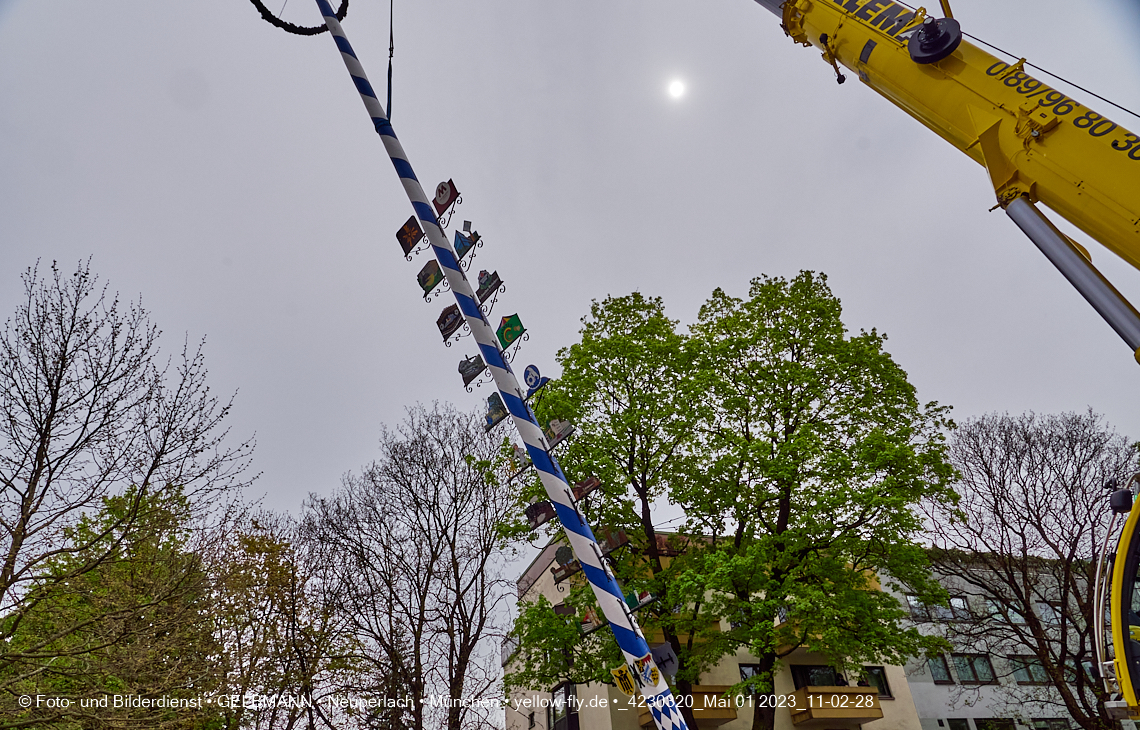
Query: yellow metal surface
point(1031, 138)
point(1120, 582)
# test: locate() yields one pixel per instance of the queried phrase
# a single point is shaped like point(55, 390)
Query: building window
point(561, 714)
point(958, 723)
point(996, 610)
point(958, 610)
point(918, 610)
point(1054, 723)
point(876, 677)
point(993, 723)
point(747, 672)
point(1050, 612)
point(939, 670)
point(1071, 671)
point(816, 675)
point(1028, 670)
point(974, 669)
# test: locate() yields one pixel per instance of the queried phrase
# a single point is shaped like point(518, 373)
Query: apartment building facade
point(992, 684)
point(880, 701)
point(988, 681)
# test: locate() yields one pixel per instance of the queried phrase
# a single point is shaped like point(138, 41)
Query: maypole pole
point(626, 632)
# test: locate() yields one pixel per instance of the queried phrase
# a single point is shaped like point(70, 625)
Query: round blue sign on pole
point(531, 376)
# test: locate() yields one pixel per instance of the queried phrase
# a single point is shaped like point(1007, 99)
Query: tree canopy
point(814, 458)
point(410, 553)
point(799, 453)
point(109, 458)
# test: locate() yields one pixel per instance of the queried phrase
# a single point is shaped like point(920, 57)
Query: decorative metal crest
point(464, 245)
point(449, 321)
point(430, 277)
point(558, 432)
point(446, 198)
point(410, 236)
point(511, 331)
point(534, 380)
point(496, 411)
point(471, 368)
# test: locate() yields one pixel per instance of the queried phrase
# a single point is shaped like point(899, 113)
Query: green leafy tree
point(551, 648)
point(101, 442)
point(627, 385)
point(137, 624)
point(798, 453)
point(816, 454)
point(279, 636)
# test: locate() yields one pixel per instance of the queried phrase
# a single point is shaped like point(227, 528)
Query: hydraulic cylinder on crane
point(1037, 144)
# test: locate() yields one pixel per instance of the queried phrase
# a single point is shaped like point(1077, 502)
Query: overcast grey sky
point(226, 172)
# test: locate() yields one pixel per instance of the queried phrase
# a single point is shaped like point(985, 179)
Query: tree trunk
point(764, 714)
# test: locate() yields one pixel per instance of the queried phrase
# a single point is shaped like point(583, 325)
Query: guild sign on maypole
point(433, 215)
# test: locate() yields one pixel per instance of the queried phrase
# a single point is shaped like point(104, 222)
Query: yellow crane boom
point(1036, 143)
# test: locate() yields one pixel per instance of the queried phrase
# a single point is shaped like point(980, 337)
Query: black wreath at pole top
point(272, 19)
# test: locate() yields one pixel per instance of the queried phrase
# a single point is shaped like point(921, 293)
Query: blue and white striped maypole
point(586, 549)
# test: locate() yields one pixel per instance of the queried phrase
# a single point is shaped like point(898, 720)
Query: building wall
point(938, 703)
point(918, 702)
point(899, 712)
point(943, 702)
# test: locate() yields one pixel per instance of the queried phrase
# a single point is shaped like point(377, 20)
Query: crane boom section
point(1032, 139)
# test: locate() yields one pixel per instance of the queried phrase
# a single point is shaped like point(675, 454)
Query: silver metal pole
point(1102, 295)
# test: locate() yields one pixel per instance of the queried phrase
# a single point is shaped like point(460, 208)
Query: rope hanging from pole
point(268, 16)
point(272, 19)
point(391, 50)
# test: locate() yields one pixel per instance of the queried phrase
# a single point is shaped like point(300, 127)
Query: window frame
point(882, 672)
point(919, 611)
point(940, 659)
point(566, 715)
point(996, 610)
point(1071, 672)
point(1028, 663)
point(747, 672)
point(995, 723)
point(963, 612)
point(970, 660)
point(801, 674)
